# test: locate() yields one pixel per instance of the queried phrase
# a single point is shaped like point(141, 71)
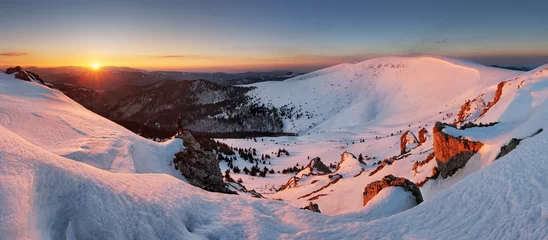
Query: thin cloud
point(13, 54)
point(172, 56)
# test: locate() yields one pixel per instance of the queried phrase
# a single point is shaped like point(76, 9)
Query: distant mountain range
point(112, 78)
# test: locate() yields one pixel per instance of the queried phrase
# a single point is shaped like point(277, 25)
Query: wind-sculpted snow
point(49, 119)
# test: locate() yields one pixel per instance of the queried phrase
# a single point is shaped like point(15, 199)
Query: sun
point(95, 66)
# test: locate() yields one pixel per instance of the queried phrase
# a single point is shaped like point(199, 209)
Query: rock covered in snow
point(451, 152)
point(408, 141)
point(372, 189)
point(22, 74)
point(316, 165)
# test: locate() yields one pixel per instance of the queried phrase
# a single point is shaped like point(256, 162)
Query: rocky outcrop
point(291, 183)
point(514, 142)
point(312, 207)
point(464, 111)
point(372, 189)
point(200, 168)
point(496, 98)
point(421, 163)
point(451, 152)
point(316, 165)
point(408, 141)
point(22, 74)
point(422, 136)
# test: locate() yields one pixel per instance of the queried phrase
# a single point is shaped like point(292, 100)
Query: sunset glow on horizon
point(242, 36)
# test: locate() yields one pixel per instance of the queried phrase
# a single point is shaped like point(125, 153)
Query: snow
point(66, 173)
point(47, 118)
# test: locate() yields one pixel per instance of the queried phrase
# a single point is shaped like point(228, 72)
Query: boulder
point(452, 153)
point(200, 168)
point(372, 189)
point(408, 141)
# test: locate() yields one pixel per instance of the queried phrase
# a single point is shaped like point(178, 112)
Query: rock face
point(408, 141)
point(24, 75)
point(372, 189)
point(316, 165)
point(199, 167)
point(451, 152)
point(312, 207)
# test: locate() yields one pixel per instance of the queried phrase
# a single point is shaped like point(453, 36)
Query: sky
point(262, 35)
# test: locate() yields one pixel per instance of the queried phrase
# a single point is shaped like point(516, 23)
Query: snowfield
point(67, 173)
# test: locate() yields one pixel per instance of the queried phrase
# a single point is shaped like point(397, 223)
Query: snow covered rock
point(451, 152)
point(199, 167)
point(312, 207)
point(317, 166)
point(24, 75)
point(372, 189)
point(408, 141)
point(422, 136)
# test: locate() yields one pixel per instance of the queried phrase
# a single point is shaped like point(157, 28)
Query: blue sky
point(263, 35)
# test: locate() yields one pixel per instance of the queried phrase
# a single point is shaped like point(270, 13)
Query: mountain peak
point(22, 74)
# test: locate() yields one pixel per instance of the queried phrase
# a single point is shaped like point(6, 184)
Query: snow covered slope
point(47, 118)
point(409, 94)
point(388, 91)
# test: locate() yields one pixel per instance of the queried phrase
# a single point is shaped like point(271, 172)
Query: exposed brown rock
point(452, 153)
point(372, 189)
point(334, 179)
point(406, 139)
point(463, 113)
point(292, 182)
point(376, 170)
point(200, 168)
point(422, 136)
point(418, 164)
point(496, 99)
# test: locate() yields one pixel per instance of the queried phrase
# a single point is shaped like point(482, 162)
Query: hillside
point(67, 173)
point(410, 97)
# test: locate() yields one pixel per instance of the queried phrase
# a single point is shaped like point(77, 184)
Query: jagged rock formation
point(408, 141)
point(316, 165)
point(496, 98)
point(372, 189)
point(312, 207)
point(422, 136)
point(451, 152)
point(200, 168)
point(22, 74)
